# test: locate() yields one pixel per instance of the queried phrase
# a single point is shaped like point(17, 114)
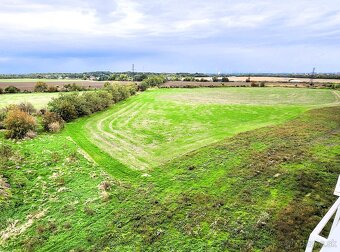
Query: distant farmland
point(28, 84)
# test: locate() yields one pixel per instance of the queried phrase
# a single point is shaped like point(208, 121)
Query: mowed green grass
point(159, 125)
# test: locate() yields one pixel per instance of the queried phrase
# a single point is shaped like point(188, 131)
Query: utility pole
point(312, 77)
point(133, 72)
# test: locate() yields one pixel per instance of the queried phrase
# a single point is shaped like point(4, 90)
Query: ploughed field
point(225, 169)
point(28, 84)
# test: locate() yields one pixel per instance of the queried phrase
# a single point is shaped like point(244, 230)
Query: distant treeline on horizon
point(107, 75)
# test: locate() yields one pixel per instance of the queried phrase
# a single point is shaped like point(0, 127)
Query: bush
point(254, 84)
point(12, 90)
point(143, 86)
point(215, 79)
point(140, 77)
point(51, 117)
point(27, 107)
point(262, 84)
point(52, 89)
point(203, 80)
point(18, 123)
point(248, 79)
point(152, 81)
point(122, 77)
point(3, 113)
point(64, 105)
point(1, 91)
point(73, 87)
point(225, 79)
point(40, 87)
point(54, 127)
point(120, 92)
point(189, 79)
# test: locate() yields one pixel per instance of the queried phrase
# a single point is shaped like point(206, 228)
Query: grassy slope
point(258, 191)
point(159, 125)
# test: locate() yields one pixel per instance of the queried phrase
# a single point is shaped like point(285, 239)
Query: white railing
point(315, 235)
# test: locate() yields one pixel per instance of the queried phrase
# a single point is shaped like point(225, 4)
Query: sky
point(227, 36)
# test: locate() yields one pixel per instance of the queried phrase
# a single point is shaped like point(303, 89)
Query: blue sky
point(169, 36)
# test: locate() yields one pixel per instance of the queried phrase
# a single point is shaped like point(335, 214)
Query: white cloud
point(49, 28)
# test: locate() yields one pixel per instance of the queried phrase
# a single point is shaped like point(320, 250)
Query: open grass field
point(159, 125)
point(225, 169)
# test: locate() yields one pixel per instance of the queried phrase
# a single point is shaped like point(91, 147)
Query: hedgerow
point(151, 81)
point(72, 106)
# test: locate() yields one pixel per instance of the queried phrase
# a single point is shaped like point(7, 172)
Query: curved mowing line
point(100, 127)
point(110, 165)
point(107, 139)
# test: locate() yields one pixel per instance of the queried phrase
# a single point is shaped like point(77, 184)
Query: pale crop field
point(159, 125)
point(39, 100)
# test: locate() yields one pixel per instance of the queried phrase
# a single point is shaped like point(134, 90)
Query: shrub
point(122, 77)
point(203, 80)
point(27, 107)
point(143, 86)
point(50, 118)
point(40, 87)
point(52, 89)
point(1, 91)
point(189, 79)
point(262, 84)
point(18, 123)
point(54, 127)
point(132, 88)
point(254, 84)
point(123, 92)
point(248, 79)
point(225, 79)
point(73, 87)
point(12, 90)
point(3, 113)
point(215, 79)
point(140, 77)
point(118, 91)
point(152, 81)
point(64, 105)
